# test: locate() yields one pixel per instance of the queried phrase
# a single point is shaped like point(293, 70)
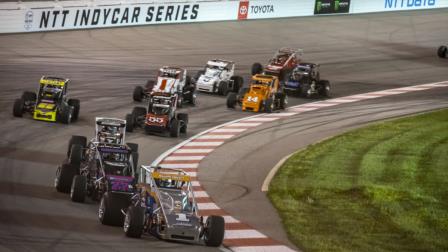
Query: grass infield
point(379, 188)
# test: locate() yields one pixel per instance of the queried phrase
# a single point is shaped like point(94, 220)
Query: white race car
point(218, 77)
point(442, 52)
point(170, 80)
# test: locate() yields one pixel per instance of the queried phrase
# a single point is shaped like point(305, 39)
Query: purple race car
point(104, 169)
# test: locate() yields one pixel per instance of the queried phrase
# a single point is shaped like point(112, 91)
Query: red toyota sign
point(243, 10)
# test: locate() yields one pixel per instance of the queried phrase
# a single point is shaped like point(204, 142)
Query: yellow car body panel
point(258, 93)
point(45, 112)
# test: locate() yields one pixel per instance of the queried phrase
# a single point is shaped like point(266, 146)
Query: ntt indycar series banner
point(123, 15)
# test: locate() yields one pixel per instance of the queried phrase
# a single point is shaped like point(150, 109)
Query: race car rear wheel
point(75, 103)
point(138, 94)
point(442, 52)
point(134, 221)
point(109, 211)
point(269, 105)
point(325, 88)
point(29, 96)
point(238, 82)
point(81, 140)
point(78, 189)
point(18, 107)
point(64, 178)
point(214, 231)
point(223, 88)
point(231, 100)
point(138, 113)
point(135, 157)
point(174, 128)
point(66, 114)
point(257, 68)
point(129, 123)
point(133, 146)
point(75, 157)
point(183, 121)
point(282, 100)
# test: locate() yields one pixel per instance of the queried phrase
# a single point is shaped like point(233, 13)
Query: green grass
point(379, 188)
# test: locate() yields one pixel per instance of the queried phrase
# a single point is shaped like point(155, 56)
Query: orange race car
point(263, 95)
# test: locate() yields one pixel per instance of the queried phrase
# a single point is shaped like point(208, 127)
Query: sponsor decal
point(243, 10)
point(29, 20)
point(331, 6)
point(398, 4)
point(110, 16)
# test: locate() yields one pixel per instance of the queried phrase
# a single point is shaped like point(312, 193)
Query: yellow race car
point(50, 103)
point(263, 95)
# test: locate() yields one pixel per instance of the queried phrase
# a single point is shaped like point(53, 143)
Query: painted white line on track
point(243, 234)
point(201, 194)
point(281, 114)
point(204, 143)
point(183, 158)
point(179, 166)
point(207, 206)
point(196, 183)
point(193, 150)
point(215, 137)
point(241, 124)
point(271, 248)
point(262, 119)
point(228, 130)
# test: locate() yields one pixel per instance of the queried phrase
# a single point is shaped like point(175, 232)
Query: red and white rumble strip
point(187, 155)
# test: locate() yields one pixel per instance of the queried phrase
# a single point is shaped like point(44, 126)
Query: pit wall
point(18, 17)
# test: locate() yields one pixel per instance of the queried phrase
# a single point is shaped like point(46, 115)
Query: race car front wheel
point(79, 188)
point(109, 211)
point(18, 108)
point(214, 231)
point(442, 52)
point(133, 225)
point(64, 178)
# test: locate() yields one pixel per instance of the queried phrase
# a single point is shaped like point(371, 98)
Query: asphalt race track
point(358, 54)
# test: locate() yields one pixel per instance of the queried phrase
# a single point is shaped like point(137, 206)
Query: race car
point(159, 116)
point(165, 207)
point(305, 80)
point(218, 77)
point(50, 103)
point(104, 169)
point(263, 95)
point(442, 52)
point(172, 80)
point(281, 64)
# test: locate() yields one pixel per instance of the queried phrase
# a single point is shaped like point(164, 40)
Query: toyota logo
point(243, 10)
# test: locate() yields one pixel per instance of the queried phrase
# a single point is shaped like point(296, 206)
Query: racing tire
point(66, 114)
point(29, 96)
point(238, 82)
point(442, 52)
point(223, 88)
point(138, 94)
point(75, 155)
point(129, 123)
point(133, 146)
point(109, 210)
point(81, 140)
point(304, 88)
point(282, 99)
point(135, 157)
point(183, 120)
point(174, 128)
point(138, 112)
point(78, 189)
point(17, 110)
point(133, 225)
point(269, 105)
point(257, 68)
point(214, 231)
point(325, 89)
point(180, 101)
point(64, 178)
point(231, 100)
point(75, 103)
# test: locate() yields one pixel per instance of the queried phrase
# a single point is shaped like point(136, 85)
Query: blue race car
point(304, 80)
